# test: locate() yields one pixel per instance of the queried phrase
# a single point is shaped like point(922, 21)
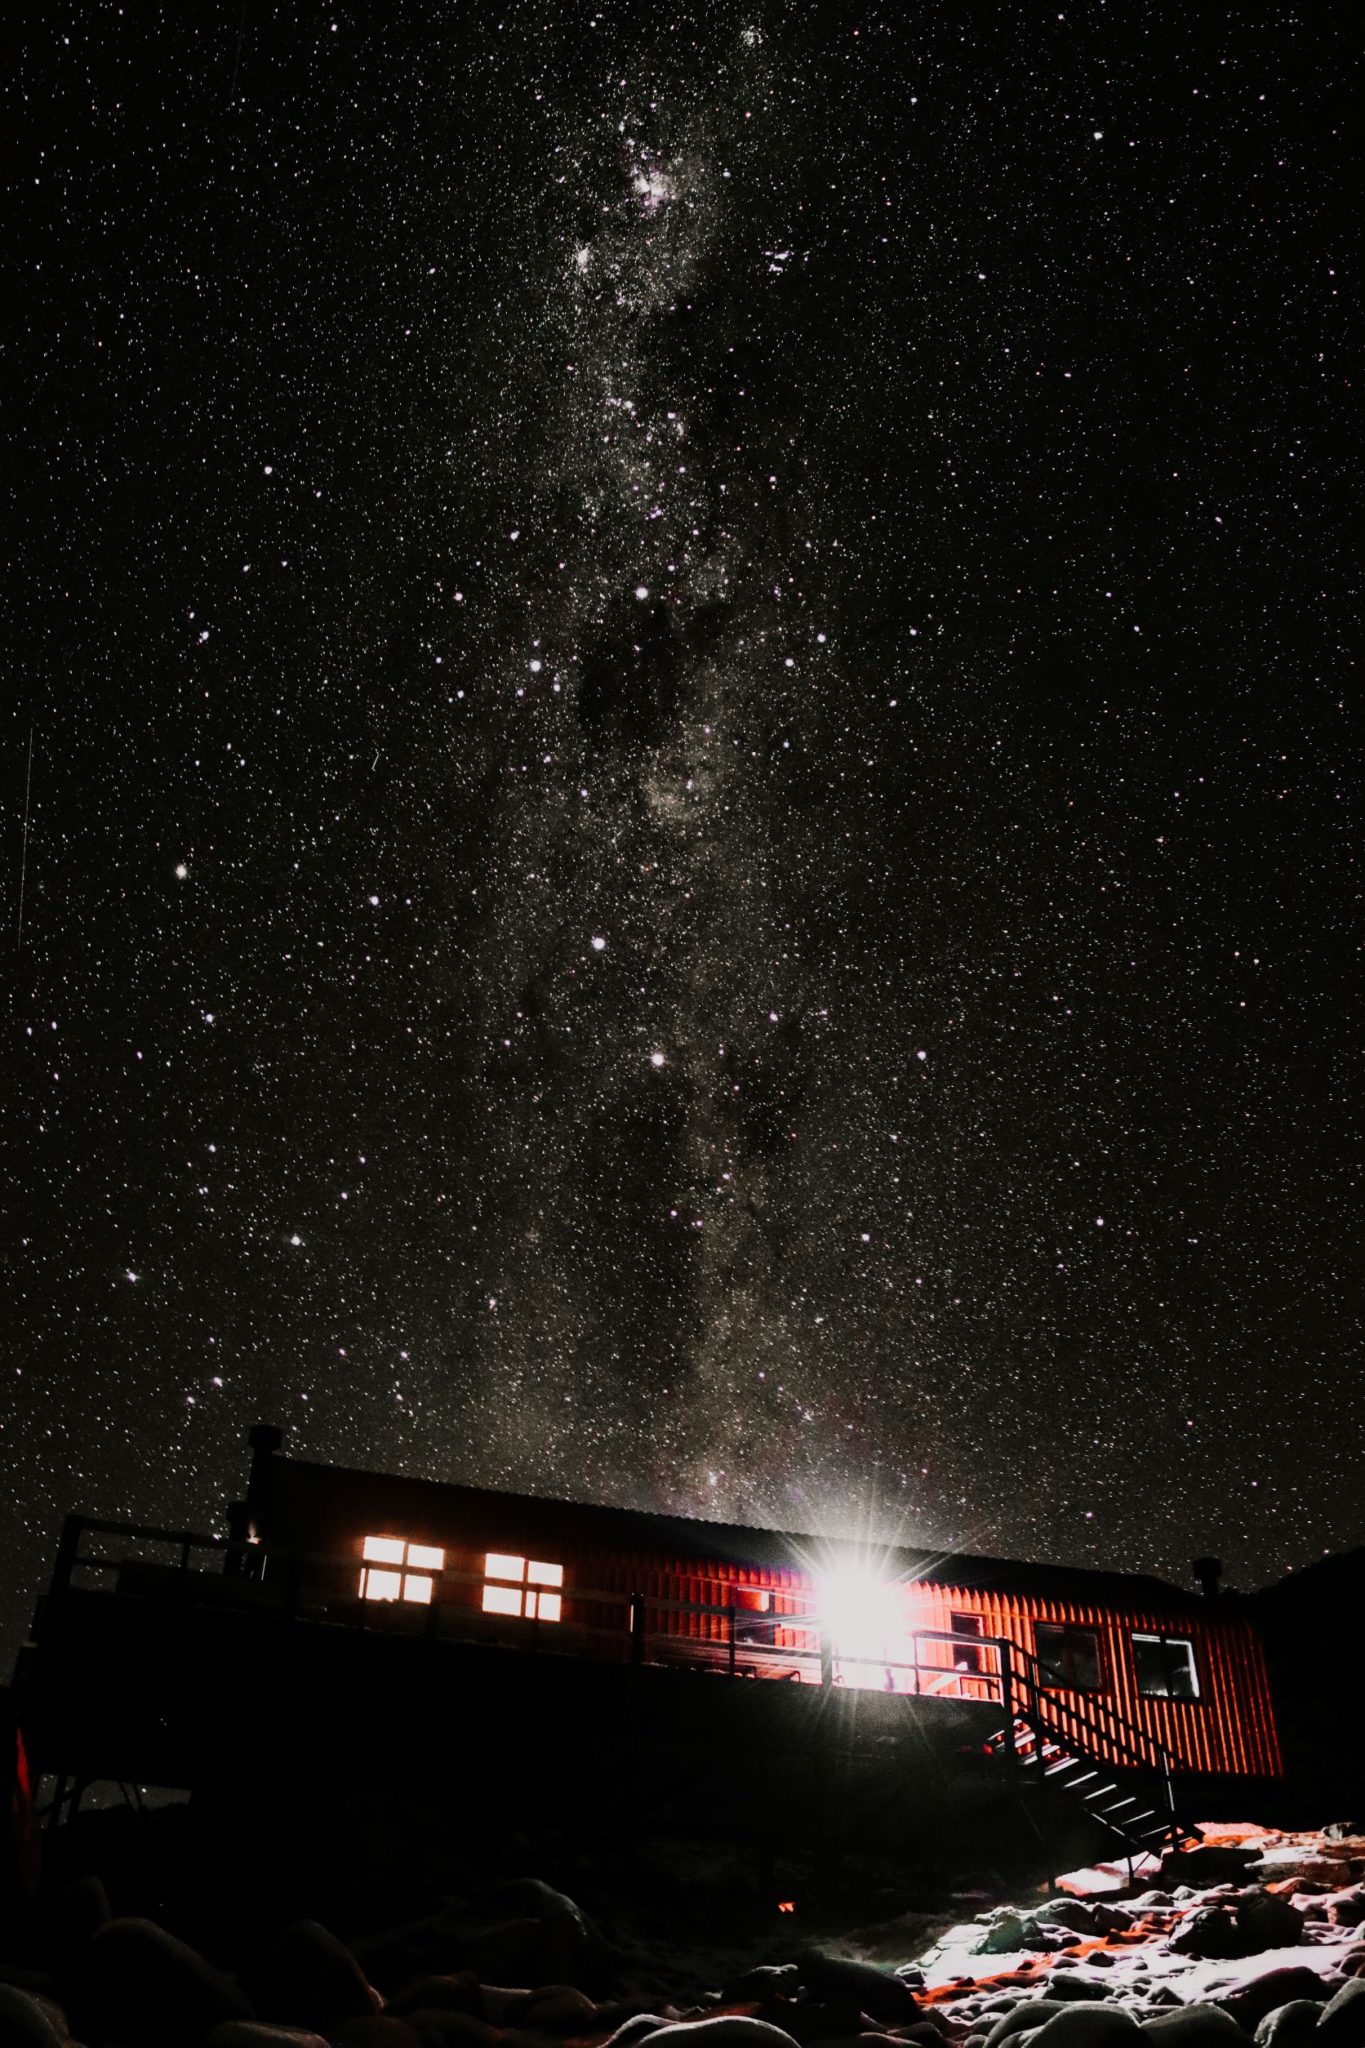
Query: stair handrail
point(1037, 1686)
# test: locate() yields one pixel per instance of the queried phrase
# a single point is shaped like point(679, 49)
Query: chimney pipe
point(1208, 1571)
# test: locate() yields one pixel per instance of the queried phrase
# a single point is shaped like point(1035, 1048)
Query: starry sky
point(675, 811)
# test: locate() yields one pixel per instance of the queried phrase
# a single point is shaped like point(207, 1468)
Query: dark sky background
point(689, 836)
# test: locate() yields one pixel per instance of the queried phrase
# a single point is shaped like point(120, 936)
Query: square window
point(1069, 1657)
point(398, 1585)
point(513, 1583)
point(1165, 1667)
point(538, 1574)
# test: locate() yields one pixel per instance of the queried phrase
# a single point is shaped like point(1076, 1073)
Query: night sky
point(689, 837)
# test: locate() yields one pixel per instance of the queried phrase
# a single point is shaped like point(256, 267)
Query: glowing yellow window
point(395, 1570)
point(521, 1585)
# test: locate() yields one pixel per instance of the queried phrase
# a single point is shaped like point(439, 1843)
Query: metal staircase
point(1115, 1771)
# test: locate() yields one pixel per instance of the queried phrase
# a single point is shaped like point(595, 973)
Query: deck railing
point(934, 1663)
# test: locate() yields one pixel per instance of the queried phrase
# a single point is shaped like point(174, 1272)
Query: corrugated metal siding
point(1229, 1729)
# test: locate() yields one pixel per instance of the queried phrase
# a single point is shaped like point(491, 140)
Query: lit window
point(1165, 1667)
point(414, 1584)
point(519, 1585)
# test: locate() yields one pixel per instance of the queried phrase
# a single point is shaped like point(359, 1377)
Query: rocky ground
point(1253, 1937)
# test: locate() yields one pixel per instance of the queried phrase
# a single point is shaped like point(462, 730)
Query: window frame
point(398, 1571)
point(1069, 1682)
point(522, 1588)
point(1164, 1640)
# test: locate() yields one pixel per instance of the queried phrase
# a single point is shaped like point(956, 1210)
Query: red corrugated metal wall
point(1229, 1730)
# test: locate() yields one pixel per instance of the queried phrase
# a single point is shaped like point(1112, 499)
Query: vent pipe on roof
point(265, 1440)
point(1208, 1571)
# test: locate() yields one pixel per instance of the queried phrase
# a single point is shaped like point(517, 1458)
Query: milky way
point(690, 709)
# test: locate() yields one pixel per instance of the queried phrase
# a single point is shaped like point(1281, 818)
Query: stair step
point(1099, 1793)
point(1066, 1763)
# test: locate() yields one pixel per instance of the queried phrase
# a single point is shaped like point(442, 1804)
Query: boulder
point(1006, 1934)
point(557, 2009)
point(1347, 1910)
point(838, 1981)
point(724, 2031)
point(27, 2021)
point(764, 1980)
point(74, 1915)
point(454, 1994)
point(1194, 2026)
point(1023, 2016)
point(1065, 1984)
point(1206, 1865)
point(1250, 2003)
point(1265, 1921)
point(1087, 2026)
point(1289, 2025)
point(1210, 1935)
point(375, 2030)
point(638, 2027)
point(438, 2027)
point(136, 1984)
point(259, 2034)
point(307, 1978)
point(1342, 2023)
point(551, 1949)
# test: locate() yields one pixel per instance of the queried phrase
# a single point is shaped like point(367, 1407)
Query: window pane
point(550, 1605)
point(423, 1558)
point(418, 1588)
point(545, 1574)
point(1068, 1656)
point(966, 1656)
point(502, 1599)
point(384, 1549)
point(496, 1566)
point(381, 1585)
point(1165, 1667)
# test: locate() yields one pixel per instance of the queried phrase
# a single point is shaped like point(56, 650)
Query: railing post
point(1007, 1700)
point(68, 1550)
point(637, 1629)
point(826, 1658)
point(730, 1626)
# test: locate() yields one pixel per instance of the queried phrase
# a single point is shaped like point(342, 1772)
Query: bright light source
point(862, 1613)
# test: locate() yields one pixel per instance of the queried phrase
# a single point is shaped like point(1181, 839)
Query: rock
point(840, 1982)
point(637, 2028)
point(1289, 2025)
point(1206, 1865)
point(1195, 2026)
point(441, 2023)
point(27, 2021)
point(1005, 1935)
point(1065, 1984)
point(458, 1994)
point(1342, 2022)
point(1343, 1830)
point(725, 2031)
point(1087, 2026)
point(1250, 2003)
point(74, 1915)
point(1265, 1921)
point(307, 1978)
point(375, 2030)
point(764, 1980)
point(1026, 2014)
point(259, 2034)
point(1210, 1935)
point(136, 1984)
point(1348, 1910)
point(548, 1950)
point(557, 2009)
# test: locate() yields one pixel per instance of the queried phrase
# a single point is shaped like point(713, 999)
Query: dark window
point(1069, 1656)
point(966, 1656)
point(1165, 1667)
